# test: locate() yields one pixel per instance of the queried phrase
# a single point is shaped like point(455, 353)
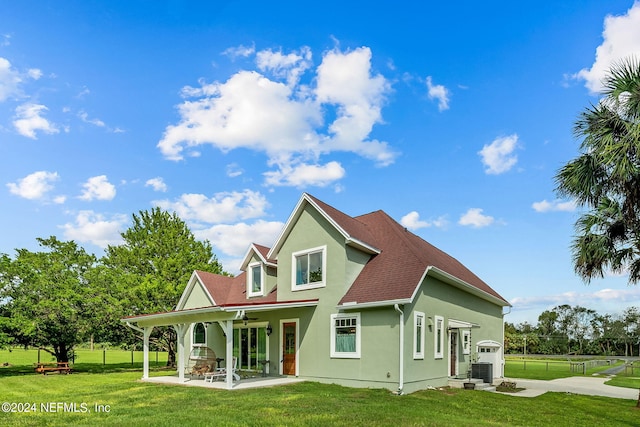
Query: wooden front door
point(453, 353)
point(289, 348)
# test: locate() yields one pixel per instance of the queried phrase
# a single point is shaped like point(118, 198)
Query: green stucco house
point(357, 301)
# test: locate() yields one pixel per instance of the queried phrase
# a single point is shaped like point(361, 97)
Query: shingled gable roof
point(355, 233)
point(263, 253)
point(403, 262)
point(400, 262)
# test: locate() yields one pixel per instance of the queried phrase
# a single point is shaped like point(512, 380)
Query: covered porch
point(249, 334)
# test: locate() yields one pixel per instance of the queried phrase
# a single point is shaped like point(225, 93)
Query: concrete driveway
point(593, 386)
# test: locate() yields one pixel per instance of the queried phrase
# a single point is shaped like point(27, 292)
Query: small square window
point(308, 269)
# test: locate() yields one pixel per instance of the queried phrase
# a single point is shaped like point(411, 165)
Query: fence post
point(525, 365)
point(104, 356)
point(38, 355)
point(131, 357)
point(156, 357)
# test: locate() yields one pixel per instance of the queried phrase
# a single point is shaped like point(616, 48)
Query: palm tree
point(605, 178)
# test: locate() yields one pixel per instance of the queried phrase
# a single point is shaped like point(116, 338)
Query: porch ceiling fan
point(246, 318)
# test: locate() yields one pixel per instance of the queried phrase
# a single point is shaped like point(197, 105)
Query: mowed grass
point(547, 369)
point(113, 396)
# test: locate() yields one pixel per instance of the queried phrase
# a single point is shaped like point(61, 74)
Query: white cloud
point(9, 80)
point(157, 184)
point(474, 218)
point(345, 80)
point(413, 222)
point(233, 240)
point(438, 92)
point(286, 121)
point(239, 51)
point(85, 118)
point(34, 186)
point(28, 120)
point(621, 39)
point(289, 67)
point(92, 227)
point(98, 188)
point(234, 170)
point(304, 175)
point(498, 156)
point(554, 206)
point(34, 73)
point(222, 207)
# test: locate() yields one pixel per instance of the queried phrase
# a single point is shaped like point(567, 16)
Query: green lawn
point(537, 369)
point(119, 399)
point(112, 394)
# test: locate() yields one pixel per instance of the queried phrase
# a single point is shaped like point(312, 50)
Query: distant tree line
point(61, 296)
point(576, 330)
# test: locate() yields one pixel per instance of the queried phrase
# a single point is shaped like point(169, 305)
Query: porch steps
point(479, 384)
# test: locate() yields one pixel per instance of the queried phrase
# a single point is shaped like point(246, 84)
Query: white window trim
point(418, 354)
point(438, 320)
point(192, 335)
point(250, 292)
point(344, 355)
point(313, 285)
point(466, 342)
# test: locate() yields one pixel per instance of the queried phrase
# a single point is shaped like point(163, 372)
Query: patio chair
point(222, 372)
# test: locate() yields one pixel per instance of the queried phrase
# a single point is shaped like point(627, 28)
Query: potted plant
point(468, 385)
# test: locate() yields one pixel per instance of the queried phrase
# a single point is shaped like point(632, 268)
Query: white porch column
point(145, 361)
point(181, 330)
point(229, 353)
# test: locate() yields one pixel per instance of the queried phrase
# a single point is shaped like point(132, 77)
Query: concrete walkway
point(593, 386)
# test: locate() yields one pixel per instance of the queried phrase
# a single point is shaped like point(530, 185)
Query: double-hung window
point(309, 268)
point(438, 337)
point(255, 280)
point(345, 335)
point(418, 335)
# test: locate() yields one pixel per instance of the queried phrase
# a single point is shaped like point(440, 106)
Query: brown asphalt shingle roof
point(392, 274)
point(227, 290)
point(397, 270)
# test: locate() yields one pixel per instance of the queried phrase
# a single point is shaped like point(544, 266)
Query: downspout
point(401, 350)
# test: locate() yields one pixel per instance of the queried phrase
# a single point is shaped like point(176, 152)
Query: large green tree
point(605, 178)
point(46, 299)
point(151, 268)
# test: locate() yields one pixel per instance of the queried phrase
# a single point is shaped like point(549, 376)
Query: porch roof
point(214, 313)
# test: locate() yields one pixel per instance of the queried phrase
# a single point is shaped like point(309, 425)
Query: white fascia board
point(461, 284)
point(374, 304)
point(359, 244)
point(171, 317)
point(189, 288)
point(273, 252)
point(247, 257)
point(296, 214)
point(268, 307)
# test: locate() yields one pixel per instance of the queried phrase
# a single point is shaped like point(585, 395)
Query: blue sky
point(452, 118)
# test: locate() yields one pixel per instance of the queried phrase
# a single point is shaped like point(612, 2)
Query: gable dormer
point(260, 271)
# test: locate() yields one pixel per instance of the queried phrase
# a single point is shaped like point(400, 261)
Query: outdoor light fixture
point(245, 319)
point(269, 329)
